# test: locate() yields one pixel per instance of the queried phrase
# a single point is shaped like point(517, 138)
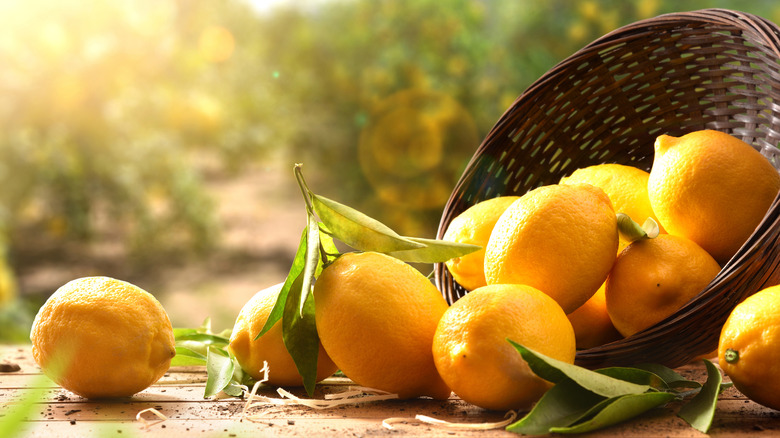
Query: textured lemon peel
point(510, 417)
point(353, 395)
point(146, 423)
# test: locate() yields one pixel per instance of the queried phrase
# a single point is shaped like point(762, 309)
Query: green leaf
point(635, 375)
point(618, 409)
point(560, 406)
point(186, 357)
point(296, 269)
point(219, 367)
point(434, 251)
point(672, 379)
point(700, 411)
point(204, 338)
point(632, 231)
point(555, 371)
point(312, 260)
point(300, 334)
point(358, 230)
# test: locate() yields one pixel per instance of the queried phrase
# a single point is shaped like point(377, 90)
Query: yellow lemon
point(251, 354)
point(560, 239)
point(101, 337)
point(591, 322)
point(653, 278)
point(376, 317)
point(712, 188)
point(474, 226)
point(472, 353)
point(626, 187)
point(749, 347)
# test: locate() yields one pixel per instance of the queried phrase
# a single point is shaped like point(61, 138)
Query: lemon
point(100, 337)
point(472, 353)
point(376, 317)
point(591, 322)
point(711, 188)
point(560, 239)
point(253, 353)
point(749, 347)
point(653, 278)
point(626, 187)
point(474, 226)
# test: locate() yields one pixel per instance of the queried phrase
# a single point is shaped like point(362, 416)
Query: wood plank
point(179, 396)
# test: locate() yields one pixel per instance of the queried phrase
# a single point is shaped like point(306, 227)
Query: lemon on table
point(376, 317)
point(749, 347)
point(653, 278)
point(712, 188)
point(626, 187)
point(472, 353)
point(252, 353)
point(474, 226)
point(100, 337)
point(560, 239)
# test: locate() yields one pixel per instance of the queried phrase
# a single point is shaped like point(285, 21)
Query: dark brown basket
point(672, 74)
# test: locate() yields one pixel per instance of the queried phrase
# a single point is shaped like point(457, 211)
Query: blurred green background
point(154, 140)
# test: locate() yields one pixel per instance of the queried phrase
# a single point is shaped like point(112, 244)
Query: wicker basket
point(672, 74)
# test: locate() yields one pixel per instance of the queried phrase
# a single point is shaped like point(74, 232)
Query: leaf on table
point(700, 410)
point(672, 378)
point(434, 251)
point(562, 405)
point(219, 367)
point(618, 409)
point(555, 371)
point(635, 375)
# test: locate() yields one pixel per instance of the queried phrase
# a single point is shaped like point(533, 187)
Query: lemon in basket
point(560, 239)
point(100, 337)
point(749, 347)
point(653, 278)
point(712, 188)
point(253, 353)
point(472, 353)
point(474, 226)
point(376, 317)
point(626, 187)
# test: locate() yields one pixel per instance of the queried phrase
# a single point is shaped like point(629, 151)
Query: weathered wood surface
point(179, 396)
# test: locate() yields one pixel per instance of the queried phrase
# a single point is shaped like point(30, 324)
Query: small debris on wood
point(9, 367)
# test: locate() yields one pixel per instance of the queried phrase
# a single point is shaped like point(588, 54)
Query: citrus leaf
point(358, 230)
point(631, 231)
point(219, 367)
point(434, 251)
point(555, 371)
point(300, 333)
point(560, 406)
point(311, 260)
point(186, 357)
point(635, 375)
point(700, 411)
point(15, 417)
point(204, 338)
point(296, 269)
point(672, 378)
point(618, 409)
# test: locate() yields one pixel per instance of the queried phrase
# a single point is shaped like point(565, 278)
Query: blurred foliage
point(113, 112)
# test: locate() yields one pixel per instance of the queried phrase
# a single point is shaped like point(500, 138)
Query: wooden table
point(179, 397)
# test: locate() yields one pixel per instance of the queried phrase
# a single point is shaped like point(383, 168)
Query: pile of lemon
point(554, 275)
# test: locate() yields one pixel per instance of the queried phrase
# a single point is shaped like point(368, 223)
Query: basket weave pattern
point(672, 74)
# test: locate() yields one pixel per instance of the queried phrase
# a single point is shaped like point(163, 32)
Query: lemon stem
point(632, 231)
point(731, 356)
